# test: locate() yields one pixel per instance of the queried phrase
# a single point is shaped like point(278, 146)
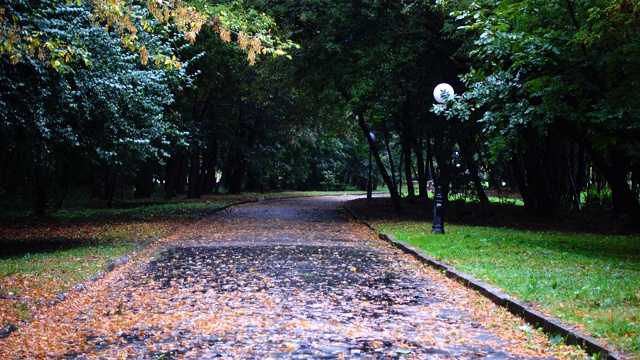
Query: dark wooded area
point(546, 100)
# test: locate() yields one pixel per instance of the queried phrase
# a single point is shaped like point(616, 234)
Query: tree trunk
point(194, 175)
point(422, 172)
point(210, 158)
point(179, 173)
point(615, 170)
point(208, 176)
point(393, 191)
point(391, 165)
point(236, 177)
point(401, 162)
point(408, 164)
point(4, 141)
point(520, 180)
point(96, 185)
point(431, 167)
point(112, 184)
point(574, 177)
point(623, 198)
point(406, 140)
point(467, 153)
point(545, 180)
point(174, 175)
point(170, 178)
point(495, 177)
point(144, 182)
point(41, 190)
point(618, 179)
point(635, 178)
point(581, 175)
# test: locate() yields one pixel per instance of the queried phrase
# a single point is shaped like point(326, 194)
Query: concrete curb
point(534, 318)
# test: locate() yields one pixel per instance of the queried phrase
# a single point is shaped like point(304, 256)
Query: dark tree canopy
point(191, 97)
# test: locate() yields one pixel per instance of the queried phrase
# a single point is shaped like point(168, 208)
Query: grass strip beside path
point(43, 259)
point(588, 280)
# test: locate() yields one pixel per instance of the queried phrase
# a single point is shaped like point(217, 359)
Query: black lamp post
point(369, 183)
point(441, 92)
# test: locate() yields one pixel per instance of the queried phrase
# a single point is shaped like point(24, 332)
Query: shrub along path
point(277, 279)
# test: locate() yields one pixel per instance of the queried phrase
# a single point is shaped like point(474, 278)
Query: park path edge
point(534, 318)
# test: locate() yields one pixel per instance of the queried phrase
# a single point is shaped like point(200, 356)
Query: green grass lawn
point(42, 258)
point(584, 279)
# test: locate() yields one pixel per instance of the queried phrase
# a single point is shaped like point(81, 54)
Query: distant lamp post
point(369, 182)
point(439, 93)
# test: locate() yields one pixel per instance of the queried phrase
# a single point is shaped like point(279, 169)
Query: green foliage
point(598, 200)
point(370, 59)
point(34, 33)
point(546, 74)
point(108, 109)
point(25, 38)
point(107, 74)
point(539, 62)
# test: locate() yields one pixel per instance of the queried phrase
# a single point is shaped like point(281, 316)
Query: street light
point(369, 184)
point(441, 92)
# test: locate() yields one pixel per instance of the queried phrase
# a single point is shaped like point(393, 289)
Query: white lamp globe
point(440, 90)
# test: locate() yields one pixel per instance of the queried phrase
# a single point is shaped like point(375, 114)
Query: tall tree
point(376, 56)
point(106, 72)
point(547, 69)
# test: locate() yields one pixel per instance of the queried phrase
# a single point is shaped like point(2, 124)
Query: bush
point(598, 201)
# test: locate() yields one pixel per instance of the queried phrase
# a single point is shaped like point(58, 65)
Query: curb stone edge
point(532, 317)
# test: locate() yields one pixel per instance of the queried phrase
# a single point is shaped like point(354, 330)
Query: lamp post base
point(369, 182)
point(437, 230)
point(438, 224)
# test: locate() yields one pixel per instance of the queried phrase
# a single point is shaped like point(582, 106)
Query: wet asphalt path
point(290, 279)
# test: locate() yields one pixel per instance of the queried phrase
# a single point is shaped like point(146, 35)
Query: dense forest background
point(185, 98)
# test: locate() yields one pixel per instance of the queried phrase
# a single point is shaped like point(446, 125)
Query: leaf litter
point(288, 279)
